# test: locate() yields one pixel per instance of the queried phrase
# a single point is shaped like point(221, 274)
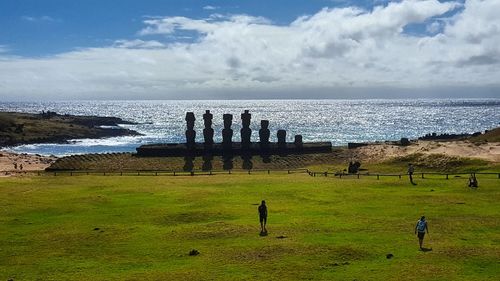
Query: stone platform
point(200, 149)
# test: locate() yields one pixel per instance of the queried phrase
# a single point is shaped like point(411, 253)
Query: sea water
point(336, 121)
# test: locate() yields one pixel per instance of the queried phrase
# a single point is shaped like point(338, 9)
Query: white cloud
point(334, 49)
point(210, 8)
point(138, 44)
point(40, 19)
point(3, 49)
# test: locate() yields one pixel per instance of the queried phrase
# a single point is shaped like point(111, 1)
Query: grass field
point(142, 228)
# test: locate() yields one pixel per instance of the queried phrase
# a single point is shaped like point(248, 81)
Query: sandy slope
point(380, 152)
point(29, 162)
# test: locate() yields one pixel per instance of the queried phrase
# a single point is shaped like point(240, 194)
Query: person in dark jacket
point(263, 216)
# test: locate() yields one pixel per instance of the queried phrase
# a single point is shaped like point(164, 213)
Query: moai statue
point(207, 162)
point(264, 134)
point(190, 132)
point(188, 163)
point(208, 132)
point(247, 162)
point(227, 163)
point(227, 132)
point(245, 131)
point(298, 142)
point(281, 139)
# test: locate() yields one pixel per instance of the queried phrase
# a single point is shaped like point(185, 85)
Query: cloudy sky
point(187, 49)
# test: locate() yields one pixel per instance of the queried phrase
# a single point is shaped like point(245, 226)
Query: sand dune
point(380, 152)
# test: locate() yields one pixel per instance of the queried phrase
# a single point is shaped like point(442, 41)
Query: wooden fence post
point(378, 177)
point(422, 175)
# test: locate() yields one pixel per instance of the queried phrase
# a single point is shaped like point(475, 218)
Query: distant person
point(411, 170)
point(473, 181)
point(420, 229)
point(263, 216)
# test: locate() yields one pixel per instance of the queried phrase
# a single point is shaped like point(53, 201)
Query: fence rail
point(379, 175)
point(167, 172)
point(240, 171)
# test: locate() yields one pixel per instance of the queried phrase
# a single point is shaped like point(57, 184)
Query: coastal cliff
point(50, 127)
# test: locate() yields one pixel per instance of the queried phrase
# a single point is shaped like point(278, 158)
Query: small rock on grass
point(194, 252)
point(389, 256)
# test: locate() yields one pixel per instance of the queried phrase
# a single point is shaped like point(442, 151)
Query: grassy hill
point(22, 128)
point(142, 228)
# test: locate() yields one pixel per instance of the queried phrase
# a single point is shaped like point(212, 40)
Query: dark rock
point(351, 145)
point(194, 252)
point(281, 237)
point(353, 168)
point(97, 228)
point(389, 256)
point(405, 141)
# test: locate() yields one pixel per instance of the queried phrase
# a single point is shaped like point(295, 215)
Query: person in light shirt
point(420, 229)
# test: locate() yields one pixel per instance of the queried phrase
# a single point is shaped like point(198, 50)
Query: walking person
point(263, 216)
point(411, 170)
point(420, 229)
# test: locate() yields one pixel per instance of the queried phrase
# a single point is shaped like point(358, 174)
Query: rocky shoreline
point(50, 127)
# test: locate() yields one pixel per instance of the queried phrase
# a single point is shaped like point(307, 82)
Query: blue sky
point(47, 27)
point(322, 45)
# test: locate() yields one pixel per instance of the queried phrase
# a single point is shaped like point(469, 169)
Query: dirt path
point(29, 163)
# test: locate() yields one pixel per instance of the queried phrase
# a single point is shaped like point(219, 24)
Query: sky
point(248, 49)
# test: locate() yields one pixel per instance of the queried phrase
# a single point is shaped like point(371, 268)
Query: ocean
point(336, 121)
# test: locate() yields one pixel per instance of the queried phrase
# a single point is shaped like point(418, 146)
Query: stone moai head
point(228, 120)
point(298, 141)
point(264, 124)
point(281, 136)
point(207, 118)
point(190, 120)
point(245, 118)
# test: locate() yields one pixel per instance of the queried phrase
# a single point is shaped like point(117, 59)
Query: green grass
point(142, 228)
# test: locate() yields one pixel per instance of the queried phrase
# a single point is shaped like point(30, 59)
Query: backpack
point(421, 226)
